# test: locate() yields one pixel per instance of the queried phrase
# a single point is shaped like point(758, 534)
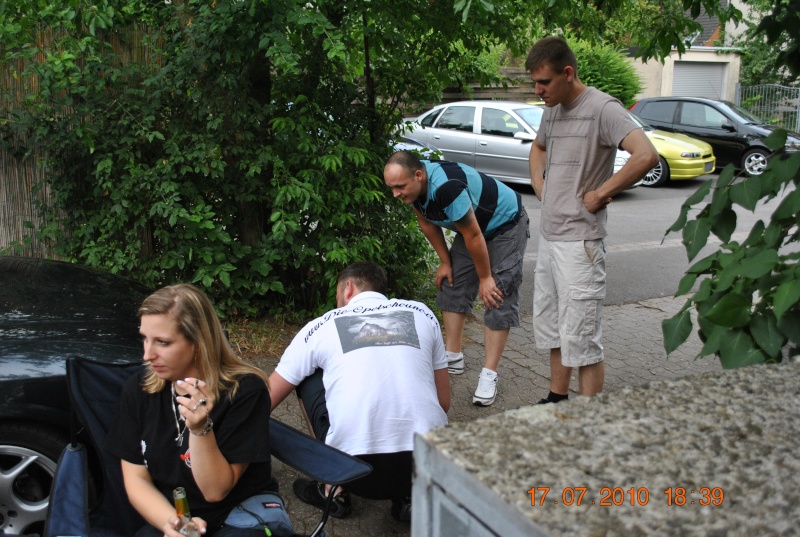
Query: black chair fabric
point(94, 389)
point(314, 458)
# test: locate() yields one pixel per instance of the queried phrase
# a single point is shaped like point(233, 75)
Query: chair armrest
point(315, 459)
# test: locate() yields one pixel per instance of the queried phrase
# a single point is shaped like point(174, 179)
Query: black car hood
point(765, 129)
point(42, 289)
point(50, 310)
point(48, 359)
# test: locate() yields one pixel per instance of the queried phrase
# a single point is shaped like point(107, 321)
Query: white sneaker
point(487, 388)
point(455, 363)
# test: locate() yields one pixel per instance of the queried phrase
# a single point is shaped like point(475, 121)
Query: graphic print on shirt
point(377, 330)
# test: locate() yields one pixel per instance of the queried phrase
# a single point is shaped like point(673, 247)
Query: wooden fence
point(19, 215)
point(520, 88)
point(22, 186)
point(19, 206)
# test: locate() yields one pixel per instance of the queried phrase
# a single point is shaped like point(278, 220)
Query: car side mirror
point(524, 136)
point(729, 127)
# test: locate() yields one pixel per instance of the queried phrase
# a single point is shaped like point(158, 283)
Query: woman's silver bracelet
point(206, 429)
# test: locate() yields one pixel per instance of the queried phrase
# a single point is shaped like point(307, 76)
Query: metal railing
point(777, 105)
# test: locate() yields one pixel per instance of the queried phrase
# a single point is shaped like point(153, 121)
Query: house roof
point(711, 28)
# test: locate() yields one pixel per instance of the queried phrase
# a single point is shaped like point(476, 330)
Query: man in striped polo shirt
point(485, 259)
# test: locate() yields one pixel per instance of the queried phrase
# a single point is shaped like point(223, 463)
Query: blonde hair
point(197, 321)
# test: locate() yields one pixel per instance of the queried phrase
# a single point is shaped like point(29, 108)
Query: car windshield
point(743, 115)
point(429, 117)
point(532, 116)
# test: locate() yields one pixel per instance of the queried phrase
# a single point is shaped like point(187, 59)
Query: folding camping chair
point(94, 388)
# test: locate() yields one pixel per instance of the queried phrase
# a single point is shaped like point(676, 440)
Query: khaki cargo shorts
point(568, 291)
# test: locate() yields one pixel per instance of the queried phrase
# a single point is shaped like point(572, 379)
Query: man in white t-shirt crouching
point(369, 375)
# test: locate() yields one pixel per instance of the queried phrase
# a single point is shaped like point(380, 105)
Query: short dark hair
point(368, 276)
point(407, 160)
point(553, 51)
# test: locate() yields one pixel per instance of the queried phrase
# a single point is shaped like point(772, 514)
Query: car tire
point(658, 175)
point(29, 454)
point(754, 161)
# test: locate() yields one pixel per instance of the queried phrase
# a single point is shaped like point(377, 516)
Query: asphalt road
point(639, 265)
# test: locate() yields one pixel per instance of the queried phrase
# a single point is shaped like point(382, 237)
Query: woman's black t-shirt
point(144, 432)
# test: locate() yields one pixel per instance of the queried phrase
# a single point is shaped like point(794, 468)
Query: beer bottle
point(187, 527)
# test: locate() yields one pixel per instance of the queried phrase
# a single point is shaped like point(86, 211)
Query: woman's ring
point(203, 401)
point(196, 381)
point(195, 407)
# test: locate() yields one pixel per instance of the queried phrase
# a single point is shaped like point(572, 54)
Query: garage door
point(698, 79)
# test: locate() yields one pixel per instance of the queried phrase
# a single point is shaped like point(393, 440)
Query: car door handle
point(483, 143)
point(437, 136)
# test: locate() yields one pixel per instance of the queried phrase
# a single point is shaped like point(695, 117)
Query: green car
point(680, 156)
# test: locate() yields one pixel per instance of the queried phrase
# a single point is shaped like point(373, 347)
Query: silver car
point(493, 137)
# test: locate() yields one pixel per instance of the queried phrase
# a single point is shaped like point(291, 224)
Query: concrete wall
point(657, 78)
point(704, 455)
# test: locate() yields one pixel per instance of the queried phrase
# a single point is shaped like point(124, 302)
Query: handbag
point(263, 511)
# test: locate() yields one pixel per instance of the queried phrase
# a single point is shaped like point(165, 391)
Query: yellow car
point(680, 156)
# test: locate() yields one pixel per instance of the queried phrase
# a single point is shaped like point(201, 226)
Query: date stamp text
point(616, 496)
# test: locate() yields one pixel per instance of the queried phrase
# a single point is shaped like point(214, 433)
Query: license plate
point(709, 166)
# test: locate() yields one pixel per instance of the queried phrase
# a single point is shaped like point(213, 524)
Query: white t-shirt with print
point(378, 356)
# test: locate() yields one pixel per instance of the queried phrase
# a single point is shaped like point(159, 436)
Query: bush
point(230, 144)
point(605, 68)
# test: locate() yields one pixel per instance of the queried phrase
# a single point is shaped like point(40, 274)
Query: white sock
point(488, 373)
point(454, 356)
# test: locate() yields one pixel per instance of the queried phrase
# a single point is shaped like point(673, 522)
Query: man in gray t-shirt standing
point(571, 165)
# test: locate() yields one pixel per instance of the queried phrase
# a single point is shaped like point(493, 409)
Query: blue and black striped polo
point(453, 188)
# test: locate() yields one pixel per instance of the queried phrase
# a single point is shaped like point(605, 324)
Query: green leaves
point(695, 236)
point(597, 61)
point(766, 334)
point(748, 300)
point(776, 140)
point(694, 199)
point(746, 193)
point(760, 264)
point(737, 350)
point(232, 144)
point(676, 329)
point(731, 310)
point(699, 195)
point(786, 297)
point(463, 7)
point(789, 207)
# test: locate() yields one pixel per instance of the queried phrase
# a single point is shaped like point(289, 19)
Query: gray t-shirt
point(581, 141)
